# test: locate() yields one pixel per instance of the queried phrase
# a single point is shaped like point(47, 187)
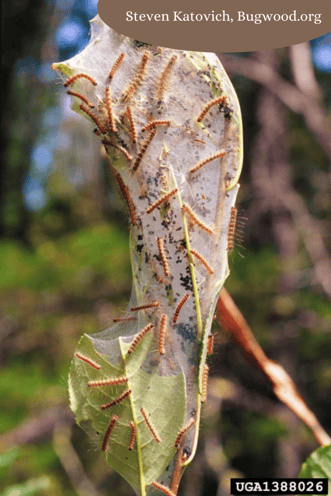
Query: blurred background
point(65, 268)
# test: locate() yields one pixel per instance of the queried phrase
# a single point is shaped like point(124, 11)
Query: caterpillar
point(232, 228)
point(154, 304)
point(108, 382)
point(88, 360)
point(143, 150)
point(150, 426)
point(209, 105)
point(108, 432)
point(153, 124)
point(82, 97)
point(124, 319)
point(196, 219)
point(133, 435)
point(139, 337)
point(183, 431)
point(94, 118)
point(133, 131)
point(162, 330)
point(203, 261)
point(179, 306)
point(163, 257)
point(206, 160)
point(204, 383)
point(74, 78)
point(122, 150)
point(138, 79)
point(161, 200)
point(127, 197)
point(117, 400)
point(110, 114)
point(116, 65)
point(163, 78)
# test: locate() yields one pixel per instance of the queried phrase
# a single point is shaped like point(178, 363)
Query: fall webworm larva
point(74, 78)
point(196, 219)
point(138, 78)
point(139, 337)
point(161, 200)
point(117, 400)
point(179, 306)
point(108, 382)
point(116, 65)
point(88, 360)
point(183, 431)
point(163, 257)
point(108, 432)
point(150, 426)
point(209, 105)
point(206, 160)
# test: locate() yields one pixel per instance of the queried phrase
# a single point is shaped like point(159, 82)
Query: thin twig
point(284, 388)
point(315, 116)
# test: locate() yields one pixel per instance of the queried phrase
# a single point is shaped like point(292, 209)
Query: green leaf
point(318, 465)
point(150, 391)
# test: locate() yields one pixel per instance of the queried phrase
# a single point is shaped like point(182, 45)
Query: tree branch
point(297, 101)
point(233, 322)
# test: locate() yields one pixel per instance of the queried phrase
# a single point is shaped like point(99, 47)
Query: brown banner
point(209, 26)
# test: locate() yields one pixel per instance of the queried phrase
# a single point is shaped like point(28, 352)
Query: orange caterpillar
point(138, 79)
point(161, 200)
point(164, 77)
point(153, 124)
point(179, 306)
point(122, 150)
point(82, 97)
point(108, 432)
point(183, 431)
point(72, 79)
point(139, 337)
point(150, 426)
point(88, 360)
point(165, 490)
point(143, 149)
point(116, 401)
point(196, 219)
point(200, 164)
point(209, 105)
point(162, 331)
point(203, 261)
point(232, 228)
point(144, 307)
point(127, 197)
point(116, 65)
point(124, 319)
point(94, 118)
point(108, 382)
point(110, 113)
point(163, 257)
point(133, 131)
point(204, 383)
point(210, 344)
point(133, 435)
